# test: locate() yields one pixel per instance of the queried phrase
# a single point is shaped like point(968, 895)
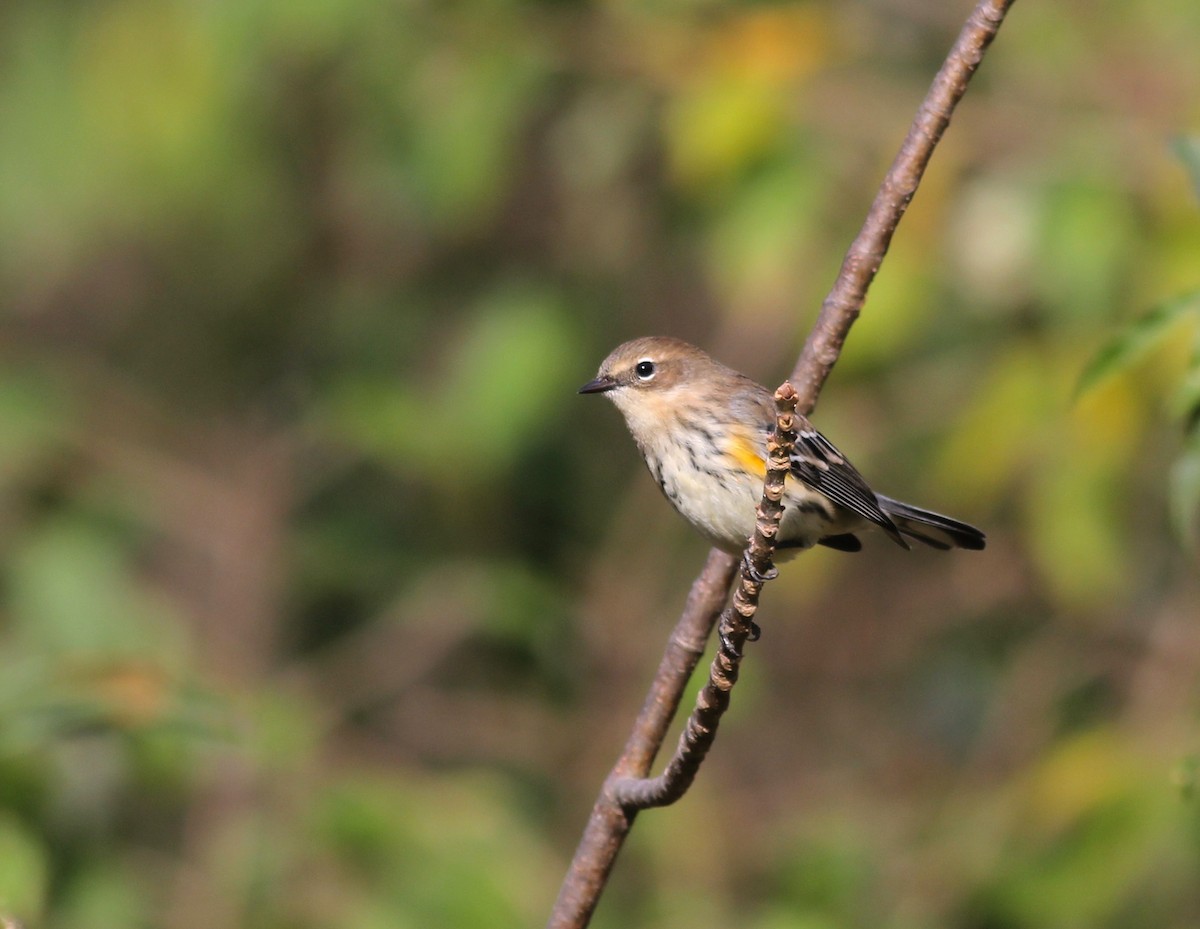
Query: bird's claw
point(759, 577)
point(732, 650)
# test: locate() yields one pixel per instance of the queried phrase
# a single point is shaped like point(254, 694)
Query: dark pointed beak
point(602, 384)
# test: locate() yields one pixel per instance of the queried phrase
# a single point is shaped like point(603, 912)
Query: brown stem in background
point(611, 820)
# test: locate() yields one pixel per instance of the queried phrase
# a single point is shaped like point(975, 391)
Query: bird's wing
point(821, 467)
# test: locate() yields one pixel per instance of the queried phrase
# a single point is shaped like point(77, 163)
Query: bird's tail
point(931, 528)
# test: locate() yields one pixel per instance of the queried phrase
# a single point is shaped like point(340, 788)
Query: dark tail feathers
point(931, 528)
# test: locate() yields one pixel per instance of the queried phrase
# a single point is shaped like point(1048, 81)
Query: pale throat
point(652, 418)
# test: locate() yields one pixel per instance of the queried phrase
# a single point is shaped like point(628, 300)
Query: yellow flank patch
point(748, 456)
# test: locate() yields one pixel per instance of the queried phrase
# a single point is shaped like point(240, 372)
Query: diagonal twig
point(737, 625)
point(610, 822)
point(614, 811)
point(844, 302)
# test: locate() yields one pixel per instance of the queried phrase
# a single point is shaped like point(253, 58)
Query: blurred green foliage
point(1131, 343)
point(324, 601)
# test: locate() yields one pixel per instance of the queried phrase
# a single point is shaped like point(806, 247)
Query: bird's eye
point(644, 370)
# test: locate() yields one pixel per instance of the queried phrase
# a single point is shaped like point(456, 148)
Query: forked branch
point(737, 625)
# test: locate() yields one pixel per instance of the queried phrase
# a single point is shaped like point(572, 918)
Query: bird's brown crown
point(654, 363)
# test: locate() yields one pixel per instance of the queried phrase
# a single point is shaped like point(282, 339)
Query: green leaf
point(1135, 339)
point(1187, 149)
point(105, 895)
point(1184, 492)
point(514, 365)
point(1186, 401)
point(24, 873)
point(1185, 775)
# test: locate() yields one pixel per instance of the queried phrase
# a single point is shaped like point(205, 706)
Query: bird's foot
point(728, 647)
point(759, 577)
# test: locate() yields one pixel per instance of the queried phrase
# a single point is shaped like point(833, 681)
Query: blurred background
point(326, 602)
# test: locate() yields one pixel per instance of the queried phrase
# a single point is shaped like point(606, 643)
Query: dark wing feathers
point(936, 530)
point(822, 468)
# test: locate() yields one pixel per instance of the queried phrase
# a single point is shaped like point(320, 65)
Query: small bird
point(702, 429)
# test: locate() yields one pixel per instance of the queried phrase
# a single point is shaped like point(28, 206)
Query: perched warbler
point(702, 429)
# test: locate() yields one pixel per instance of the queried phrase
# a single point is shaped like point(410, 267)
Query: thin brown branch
point(627, 789)
point(845, 300)
point(737, 625)
point(610, 821)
